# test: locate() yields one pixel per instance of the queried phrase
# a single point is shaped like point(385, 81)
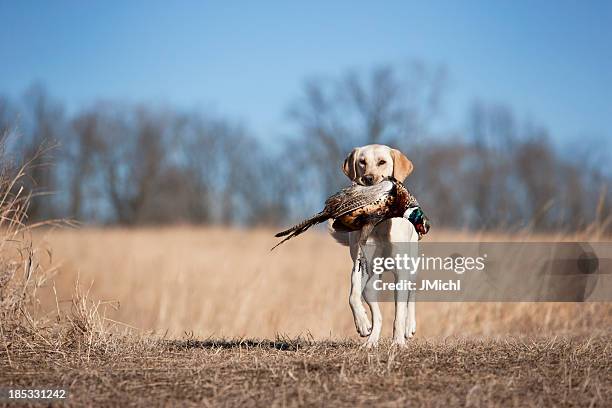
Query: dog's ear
point(350, 164)
point(402, 167)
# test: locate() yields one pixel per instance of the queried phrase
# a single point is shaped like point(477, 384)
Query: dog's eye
point(381, 162)
point(362, 162)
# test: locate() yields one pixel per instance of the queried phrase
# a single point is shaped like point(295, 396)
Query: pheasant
point(361, 208)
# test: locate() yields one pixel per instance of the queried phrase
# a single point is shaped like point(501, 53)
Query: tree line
point(135, 164)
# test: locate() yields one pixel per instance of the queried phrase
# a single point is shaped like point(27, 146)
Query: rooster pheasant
point(362, 207)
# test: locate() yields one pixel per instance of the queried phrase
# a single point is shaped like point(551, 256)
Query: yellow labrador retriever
point(369, 165)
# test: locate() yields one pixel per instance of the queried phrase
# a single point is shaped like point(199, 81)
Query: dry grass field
point(209, 317)
point(216, 282)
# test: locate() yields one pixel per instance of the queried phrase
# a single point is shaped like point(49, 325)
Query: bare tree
point(42, 126)
point(119, 163)
point(387, 105)
point(80, 149)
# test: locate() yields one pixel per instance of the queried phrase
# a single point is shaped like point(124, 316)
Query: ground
point(513, 371)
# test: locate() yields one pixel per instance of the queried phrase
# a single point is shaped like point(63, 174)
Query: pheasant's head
point(420, 221)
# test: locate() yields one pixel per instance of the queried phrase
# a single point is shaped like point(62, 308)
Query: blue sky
point(550, 60)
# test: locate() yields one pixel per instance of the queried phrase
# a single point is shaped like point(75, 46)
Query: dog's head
point(369, 165)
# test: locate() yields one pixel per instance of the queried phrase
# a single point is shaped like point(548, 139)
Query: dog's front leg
point(362, 323)
point(371, 296)
point(401, 308)
point(411, 318)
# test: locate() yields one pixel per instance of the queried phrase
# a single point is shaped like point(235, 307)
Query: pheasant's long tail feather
point(301, 227)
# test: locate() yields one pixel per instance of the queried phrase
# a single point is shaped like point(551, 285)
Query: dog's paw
point(363, 325)
point(399, 342)
point(370, 343)
point(410, 329)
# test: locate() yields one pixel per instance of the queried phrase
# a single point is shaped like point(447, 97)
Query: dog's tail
point(341, 237)
point(301, 227)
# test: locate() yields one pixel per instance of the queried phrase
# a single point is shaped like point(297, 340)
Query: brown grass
point(21, 275)
point(142, 371)
point(216, 282)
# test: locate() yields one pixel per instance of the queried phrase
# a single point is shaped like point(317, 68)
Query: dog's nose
point(368, 180)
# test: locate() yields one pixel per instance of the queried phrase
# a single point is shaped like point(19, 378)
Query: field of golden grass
point(221, 321)
point(225, 282)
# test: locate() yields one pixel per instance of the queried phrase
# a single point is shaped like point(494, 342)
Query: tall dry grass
point(21, 275)
point(226, 282)
point(27, 273)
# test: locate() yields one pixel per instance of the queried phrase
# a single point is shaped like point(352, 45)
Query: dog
point(368, 165)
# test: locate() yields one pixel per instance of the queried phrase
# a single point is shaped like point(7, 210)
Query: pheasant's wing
point(356, 196)
point(412, 201)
